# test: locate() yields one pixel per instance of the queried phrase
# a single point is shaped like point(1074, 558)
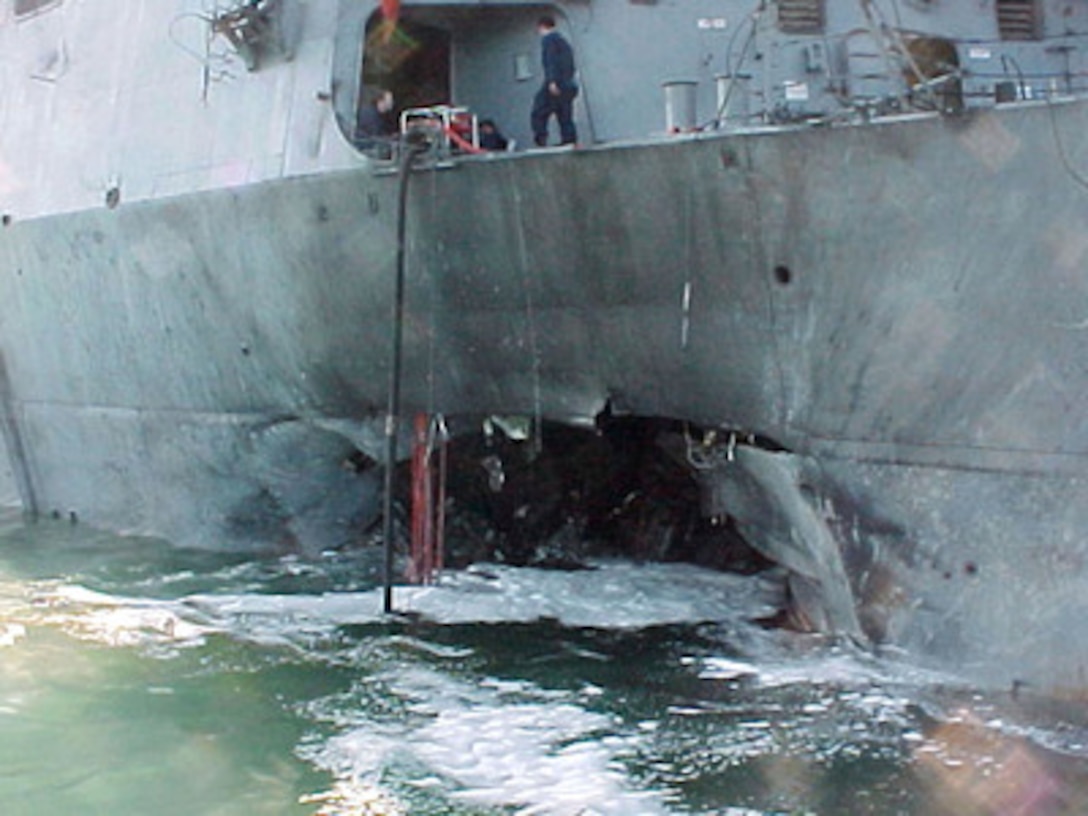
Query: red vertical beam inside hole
point(422, 512)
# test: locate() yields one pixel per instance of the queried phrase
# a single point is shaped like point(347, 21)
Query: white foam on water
point(612, 595)
point(11, 633)
point(354, 798)
point(493, 745)
point(112, 620)
point(498, 743)
point(724, 668)
point(541, 756)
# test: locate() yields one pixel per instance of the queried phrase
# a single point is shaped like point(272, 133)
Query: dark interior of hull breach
point(552, 495)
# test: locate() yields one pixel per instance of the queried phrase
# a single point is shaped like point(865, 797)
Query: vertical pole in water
point(410, 150)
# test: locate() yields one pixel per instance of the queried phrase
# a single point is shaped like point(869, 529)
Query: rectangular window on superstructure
point(25, 7)
point(801, 16)
point(1019, 19)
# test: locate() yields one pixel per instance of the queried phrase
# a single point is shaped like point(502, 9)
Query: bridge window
point(801, 16)
point(1019, 19)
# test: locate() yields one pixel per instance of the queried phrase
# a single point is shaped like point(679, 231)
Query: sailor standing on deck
point(557, 93)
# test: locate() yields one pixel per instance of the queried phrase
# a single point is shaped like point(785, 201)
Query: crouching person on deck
point(491, 137)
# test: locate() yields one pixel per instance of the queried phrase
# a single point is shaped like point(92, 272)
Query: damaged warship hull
point(928, 473)
point(875, 325)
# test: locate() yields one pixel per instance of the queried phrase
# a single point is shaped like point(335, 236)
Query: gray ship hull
point(899, 307)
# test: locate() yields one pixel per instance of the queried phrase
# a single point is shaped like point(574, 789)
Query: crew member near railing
point(491, 137)
point(373, 130)
point(556, 95)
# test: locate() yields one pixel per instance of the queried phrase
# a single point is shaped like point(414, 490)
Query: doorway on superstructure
point(485, 60)
point(409, 58)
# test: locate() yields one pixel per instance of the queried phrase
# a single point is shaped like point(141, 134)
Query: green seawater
point(139, 679)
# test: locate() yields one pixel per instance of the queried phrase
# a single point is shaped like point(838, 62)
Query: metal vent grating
point(801, 16)
point(1018, 19)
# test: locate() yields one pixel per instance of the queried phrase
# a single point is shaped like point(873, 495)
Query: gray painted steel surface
point(9, 494)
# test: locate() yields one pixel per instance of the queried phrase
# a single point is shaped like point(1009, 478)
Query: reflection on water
point(137, 679)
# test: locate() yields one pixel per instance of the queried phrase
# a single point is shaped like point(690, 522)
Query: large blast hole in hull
point(553, 495)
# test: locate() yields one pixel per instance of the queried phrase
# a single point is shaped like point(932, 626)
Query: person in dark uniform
point(556, 95)
point(490, 136)
point(373, 131)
